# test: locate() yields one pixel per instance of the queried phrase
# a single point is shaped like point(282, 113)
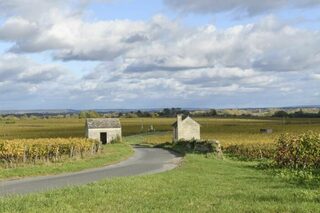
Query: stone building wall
point(189, 130)
point(112, 133)
point(186, 129)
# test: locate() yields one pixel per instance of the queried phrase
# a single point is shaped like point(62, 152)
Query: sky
point(107, 54)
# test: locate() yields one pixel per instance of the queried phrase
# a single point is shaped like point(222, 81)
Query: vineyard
point(17, 151)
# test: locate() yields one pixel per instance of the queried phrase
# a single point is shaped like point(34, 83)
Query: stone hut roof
point(175, 124)
point(101, 123)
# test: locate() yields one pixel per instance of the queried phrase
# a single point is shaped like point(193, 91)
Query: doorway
point(103, 137)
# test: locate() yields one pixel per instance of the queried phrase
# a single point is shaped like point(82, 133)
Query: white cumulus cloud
point(239, 7)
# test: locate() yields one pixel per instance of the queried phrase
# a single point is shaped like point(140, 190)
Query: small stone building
point(103, 129)
point(186, 129)
point(266, 131)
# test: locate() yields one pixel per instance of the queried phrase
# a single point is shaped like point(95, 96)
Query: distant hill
point(73, 111)
point(44, 111)
point(76, 111)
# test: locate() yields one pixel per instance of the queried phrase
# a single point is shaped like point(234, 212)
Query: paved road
point(144, 161)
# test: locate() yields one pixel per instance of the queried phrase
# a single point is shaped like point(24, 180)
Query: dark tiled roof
point(97, 123)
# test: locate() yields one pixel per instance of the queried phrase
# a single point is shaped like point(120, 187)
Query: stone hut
point(103, 129)
point(266, 131)
point(186, 129)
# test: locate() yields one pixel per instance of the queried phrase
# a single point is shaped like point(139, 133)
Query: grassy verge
point(111, 153)
point(199, 185)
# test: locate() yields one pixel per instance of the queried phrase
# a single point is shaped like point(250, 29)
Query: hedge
point(298, 152)
point(251, 151)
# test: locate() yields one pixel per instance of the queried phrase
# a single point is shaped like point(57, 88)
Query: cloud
point(243, 7)
point(267, 46)
point(315, 76)
point(17, 28)
point(162, 44)
point(164, 63)
point(136, 38)
point(73, 38)
point(266, 57)
point(23, 80)
point(121, 84)
point(165, 60)
point(15, 68)
point(29, 8)
point(39, 9)
point(154, 62)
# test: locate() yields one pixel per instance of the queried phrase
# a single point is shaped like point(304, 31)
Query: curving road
point(144, 161)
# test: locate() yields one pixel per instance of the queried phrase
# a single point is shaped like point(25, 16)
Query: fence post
point(71, 152)
point(92, 148)
point(25, 154)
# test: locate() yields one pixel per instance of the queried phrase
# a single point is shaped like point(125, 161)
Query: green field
point(200, 184)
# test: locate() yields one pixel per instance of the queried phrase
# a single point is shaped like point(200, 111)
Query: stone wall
point(189, 130)
point(112, 133)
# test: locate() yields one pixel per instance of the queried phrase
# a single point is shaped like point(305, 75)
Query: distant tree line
point(166, 112)
point(31, 116)
point(297, 114)
point(207, 113)
point(173, 112)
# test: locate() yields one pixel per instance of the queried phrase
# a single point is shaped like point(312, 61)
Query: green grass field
point(199, 185)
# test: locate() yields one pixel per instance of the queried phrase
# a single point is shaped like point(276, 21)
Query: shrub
point(116, 140)
point(251, 151)
point(198, 146)
point(298, 152)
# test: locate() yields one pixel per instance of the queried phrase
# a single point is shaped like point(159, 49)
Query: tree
point(89, 114)
point(83, 114)
point(93, 114)
point(280, 114)
point(213, 112)
point(298, 114)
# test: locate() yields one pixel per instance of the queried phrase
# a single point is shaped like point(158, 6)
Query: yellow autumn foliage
point(48, 149)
